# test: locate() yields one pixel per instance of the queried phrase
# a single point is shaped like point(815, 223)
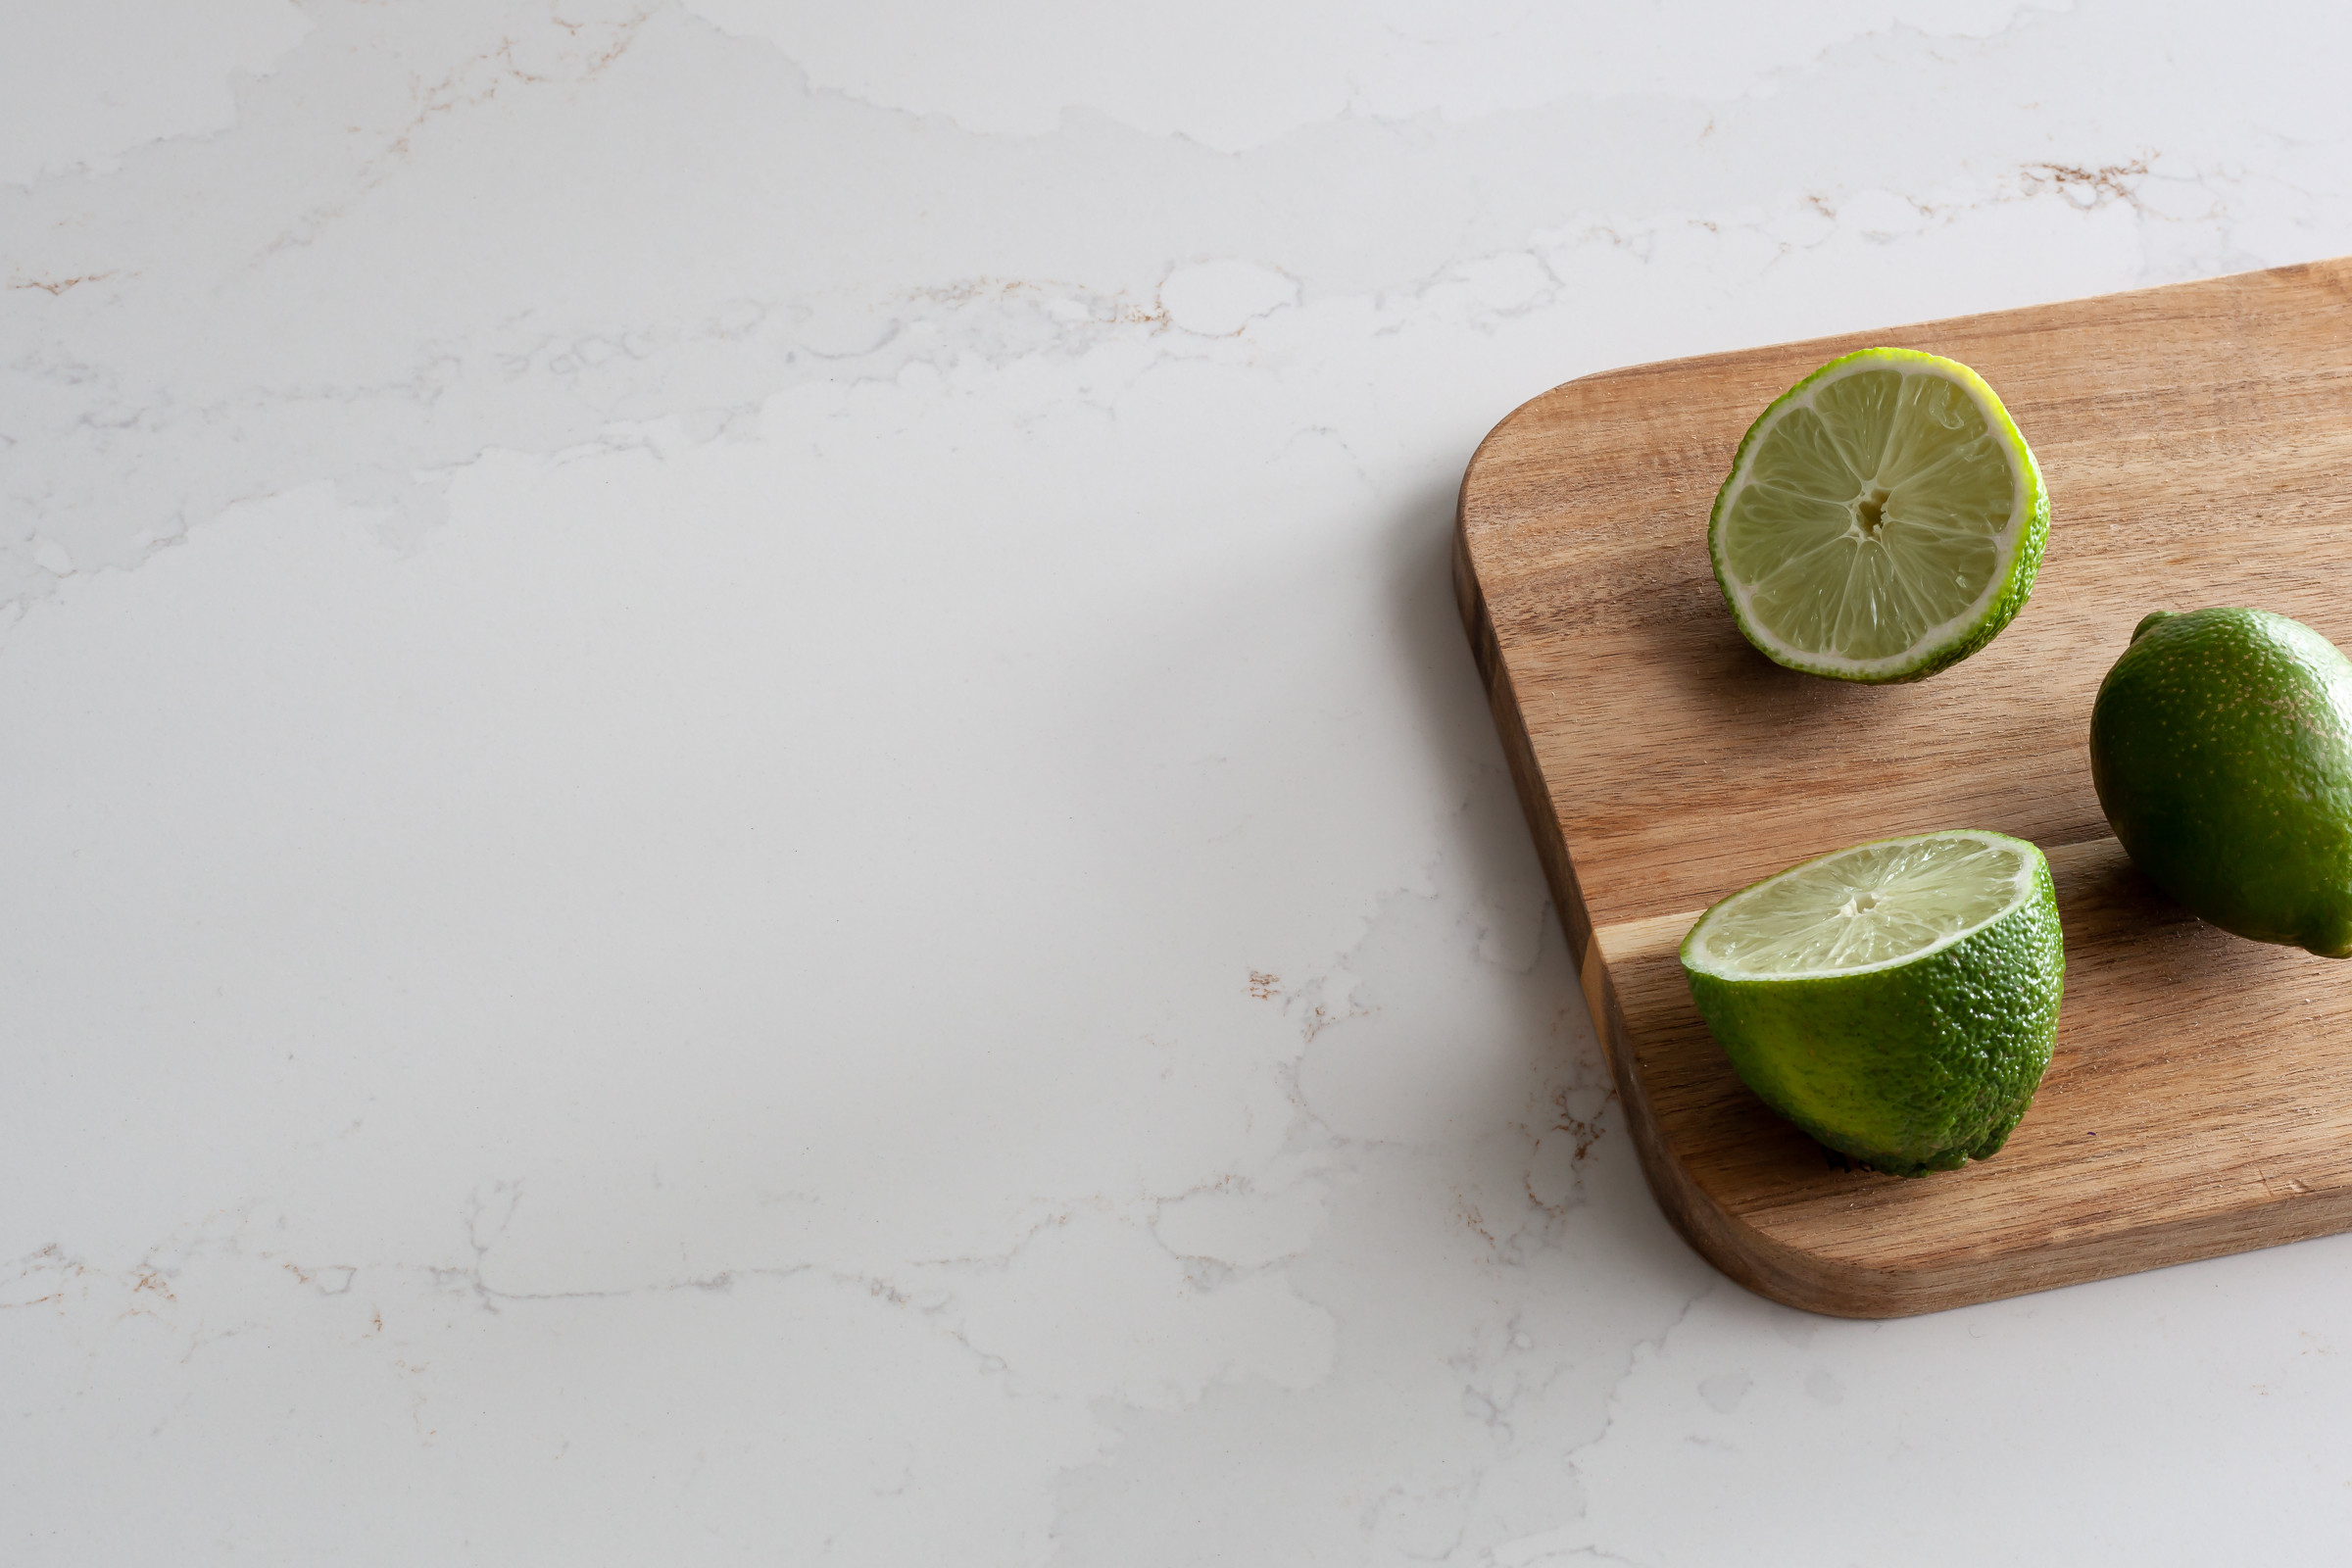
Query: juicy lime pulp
point(1870, 907)
point(1882, 520)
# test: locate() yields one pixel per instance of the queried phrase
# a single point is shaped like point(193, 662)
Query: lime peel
point(2220, 748)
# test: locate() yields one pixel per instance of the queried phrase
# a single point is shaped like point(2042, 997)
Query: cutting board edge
point(1519, 753)
point(1712, 1232)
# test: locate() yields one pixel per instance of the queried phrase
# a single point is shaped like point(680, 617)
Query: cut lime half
point(1865, 907)
point(1882, 520)
point(1897, 1000)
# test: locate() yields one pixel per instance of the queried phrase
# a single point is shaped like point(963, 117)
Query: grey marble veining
point(743, 822)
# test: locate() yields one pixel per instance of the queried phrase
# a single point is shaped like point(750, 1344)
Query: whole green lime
point(2221, 746)
point(1897, 1000)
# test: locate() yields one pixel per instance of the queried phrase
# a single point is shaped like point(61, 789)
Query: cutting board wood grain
point(2197, 444)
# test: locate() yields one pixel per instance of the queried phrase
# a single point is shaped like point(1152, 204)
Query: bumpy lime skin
point(2016, 588)
point(1912, 1070)
point(2221, 746)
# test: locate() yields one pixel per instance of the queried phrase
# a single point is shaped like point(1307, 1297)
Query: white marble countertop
point(743, 822)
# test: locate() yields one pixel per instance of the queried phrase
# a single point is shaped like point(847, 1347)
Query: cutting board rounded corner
point(1547, 408)
point(1792, 1276)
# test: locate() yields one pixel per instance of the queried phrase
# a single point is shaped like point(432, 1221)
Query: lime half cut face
point(1882, 520)
point(1898, 1000)
point(1866, 907)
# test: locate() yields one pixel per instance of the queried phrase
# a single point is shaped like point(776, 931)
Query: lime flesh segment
point(1882, 520)
point(1870, 905)
point(1898, 1001)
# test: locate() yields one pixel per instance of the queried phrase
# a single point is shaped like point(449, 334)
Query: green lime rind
point(2002, 598)
point(1915, 1065)
point(2220, 746)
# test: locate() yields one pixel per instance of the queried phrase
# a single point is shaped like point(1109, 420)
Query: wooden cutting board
point(2197, 444)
